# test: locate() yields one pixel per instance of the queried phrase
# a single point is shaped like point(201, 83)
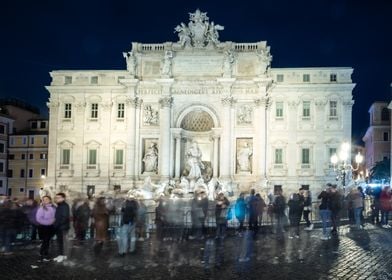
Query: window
point(277, 189)
point(1, 167)
point(42, 125)
point(23, 156)
point(12, 141)
point(32, 140)
point(386, 136)
point(21, 190)
point(279, 109)
point(120, 110)
point(11, 156)
point(2, 148)
point(2, 129)
point(34, 125)
point(43, 172)
point(45, 140)
point(305, 156)
point(94, 80)
point(66, 156)
point(24, 140)
point(306, 109)
point(278, 156)
point(22, 173)
point(67, 80)
point(94, 110)
point(331, 152)
point(9, 192)
point(92, 157)
point(279, 78)
point(384, 114)
point(67, 110)
point(31, 156)
point(10, 173)
point(42, 156)
point(119, 157)
point(333, 109)
point(333, 78)
point(31, 173)
point(1, 184)
point(306, 78)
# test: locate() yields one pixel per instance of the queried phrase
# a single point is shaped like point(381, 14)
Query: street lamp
point(341, 162)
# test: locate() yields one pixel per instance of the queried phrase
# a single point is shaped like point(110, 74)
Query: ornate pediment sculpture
point(199, 32)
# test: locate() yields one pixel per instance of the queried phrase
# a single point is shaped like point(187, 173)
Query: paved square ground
point(360, 254)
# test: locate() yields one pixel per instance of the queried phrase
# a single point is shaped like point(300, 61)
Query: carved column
point(137, 159)
point(226, 151)
point(131, 106)
point(177, 163)
point(216, 160)
point(258, 141)
point(164, 147)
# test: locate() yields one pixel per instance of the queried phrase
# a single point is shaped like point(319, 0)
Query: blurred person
point(221, 207)
point(81, 217)
point(45, 218)
point(295, 205)
point(385, 206)
point(335, 205)
point(252, 211)
point(279, 208)
point(12, 220)
point(307, 198)
point(30, 209)
point(356, 201)
point(240, 211)
point(126, 237)
point(100, 214)
point(198, 215)
point(260, 206)
point(325, 211)
point(141, 221)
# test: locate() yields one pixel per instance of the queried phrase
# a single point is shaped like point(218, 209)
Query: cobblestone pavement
point(360, 254)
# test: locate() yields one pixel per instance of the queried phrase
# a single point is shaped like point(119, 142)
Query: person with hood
point(45, 218)
point(240, 211)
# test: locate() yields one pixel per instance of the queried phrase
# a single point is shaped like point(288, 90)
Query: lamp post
point(341, 162)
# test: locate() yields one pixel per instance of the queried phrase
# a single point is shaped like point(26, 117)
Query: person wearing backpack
point(126, 237)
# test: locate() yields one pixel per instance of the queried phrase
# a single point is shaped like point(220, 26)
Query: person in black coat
point(295, 212)
point(61, 226)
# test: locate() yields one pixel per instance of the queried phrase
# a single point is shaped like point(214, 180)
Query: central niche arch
point(197, 120)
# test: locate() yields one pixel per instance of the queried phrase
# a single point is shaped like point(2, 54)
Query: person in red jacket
point(385, 205)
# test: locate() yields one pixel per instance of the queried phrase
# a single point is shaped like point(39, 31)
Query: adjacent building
point(378, 135)
point(6, 126)
point(197, 104)
point(27, 165)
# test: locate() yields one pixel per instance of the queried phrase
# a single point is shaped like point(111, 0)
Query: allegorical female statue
point(150, 159)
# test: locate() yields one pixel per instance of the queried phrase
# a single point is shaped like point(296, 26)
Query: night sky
point(41, 36)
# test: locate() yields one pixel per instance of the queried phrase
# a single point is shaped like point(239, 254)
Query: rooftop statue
point(199, 32)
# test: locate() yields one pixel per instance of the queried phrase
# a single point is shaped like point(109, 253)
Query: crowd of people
point(90, 218)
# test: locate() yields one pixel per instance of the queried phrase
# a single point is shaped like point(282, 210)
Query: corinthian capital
point(134, 102)
point(166, 102)
point(228, 101)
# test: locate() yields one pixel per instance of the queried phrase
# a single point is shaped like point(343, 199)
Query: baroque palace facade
point(197, 108)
